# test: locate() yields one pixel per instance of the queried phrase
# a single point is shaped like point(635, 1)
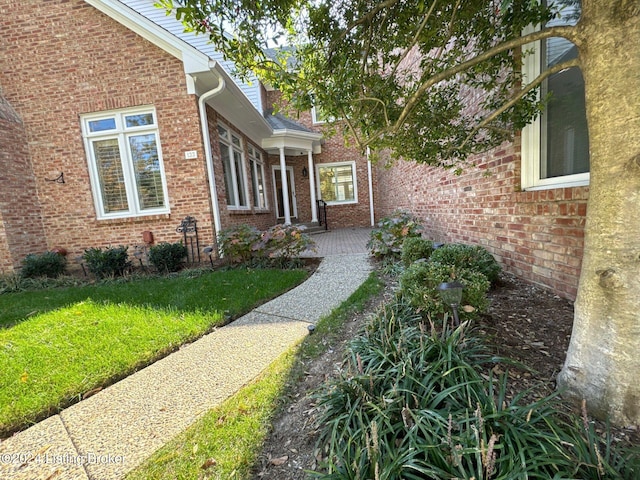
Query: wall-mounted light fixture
point(305, 172)
point(58, 179)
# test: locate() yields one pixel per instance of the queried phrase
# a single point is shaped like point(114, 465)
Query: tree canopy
point(433, 81)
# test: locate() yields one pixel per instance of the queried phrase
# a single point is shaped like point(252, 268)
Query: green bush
point(238, 244)
point(388, 237)
point(282, 243)
point(48, 264)
point(168, 257)
point(411, 405)
point(415, 248)
point(276, 246)
point(107, 263)
point(473, 257)
point(419, 285)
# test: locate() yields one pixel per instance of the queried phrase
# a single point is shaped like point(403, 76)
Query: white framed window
point(256, 168)
point(318, 116)
point(235, 181)
point(337, 182)
point(555, 147)
point(125, 163)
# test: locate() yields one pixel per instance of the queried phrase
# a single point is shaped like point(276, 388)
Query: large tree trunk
point(603, 360)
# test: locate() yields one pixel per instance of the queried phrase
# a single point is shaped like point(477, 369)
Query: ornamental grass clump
point(420, 402)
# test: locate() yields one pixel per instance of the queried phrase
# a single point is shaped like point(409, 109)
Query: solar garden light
point(451, 293)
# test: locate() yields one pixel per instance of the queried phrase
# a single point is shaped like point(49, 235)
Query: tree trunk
point(603, 361)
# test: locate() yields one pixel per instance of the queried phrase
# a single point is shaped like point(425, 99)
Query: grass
point(59, 344)
point(232, 291)
point(226, 442)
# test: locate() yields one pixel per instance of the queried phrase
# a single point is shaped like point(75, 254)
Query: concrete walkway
point(111, 433)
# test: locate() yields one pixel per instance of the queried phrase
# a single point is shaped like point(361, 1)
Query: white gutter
point(208, 155)
point(371, 209)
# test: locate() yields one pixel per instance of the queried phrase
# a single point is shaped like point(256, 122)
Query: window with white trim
point(256, 167)
point(318, 116)
point(125, 163)
point(555, 147)
point(235, 182)
point(337, 182)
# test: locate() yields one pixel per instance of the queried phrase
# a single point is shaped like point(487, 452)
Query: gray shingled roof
point(280, 122)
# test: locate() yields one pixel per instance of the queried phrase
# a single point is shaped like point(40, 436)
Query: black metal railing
point(322, 214)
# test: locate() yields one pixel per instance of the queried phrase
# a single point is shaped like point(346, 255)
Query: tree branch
point(561, 31)
point(414, 41)
point(364, 19)
point(519, 95)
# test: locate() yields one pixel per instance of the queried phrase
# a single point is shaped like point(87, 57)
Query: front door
point(277, 181)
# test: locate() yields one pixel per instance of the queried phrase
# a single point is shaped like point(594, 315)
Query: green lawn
point(58, 344)
point(227, 440)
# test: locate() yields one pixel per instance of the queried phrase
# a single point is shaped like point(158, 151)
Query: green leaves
point(411, 405)
point(403, 76)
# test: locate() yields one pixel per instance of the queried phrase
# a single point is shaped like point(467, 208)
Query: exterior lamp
point(451, 293)
point(305, 172)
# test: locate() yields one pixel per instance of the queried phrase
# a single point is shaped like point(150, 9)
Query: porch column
point(285, 188)
point(312, 186)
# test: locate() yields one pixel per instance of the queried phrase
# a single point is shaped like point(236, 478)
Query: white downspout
point(204, 124)
point(371, 209)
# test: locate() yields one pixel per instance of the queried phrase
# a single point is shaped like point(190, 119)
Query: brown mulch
point(524, 323)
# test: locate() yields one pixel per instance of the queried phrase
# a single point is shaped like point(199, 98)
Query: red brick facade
point(537, 235)
point(63, 58)
point(19, 207)
point(69, 59)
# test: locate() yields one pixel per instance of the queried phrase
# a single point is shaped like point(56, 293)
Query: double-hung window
point(125, 163)
point(256, 167)
point(233, 166)
point(555, 147)
point(337, 182)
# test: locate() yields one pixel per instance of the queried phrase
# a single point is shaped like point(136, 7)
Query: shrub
point(276, 246)
point(473, 257)
point(419, 284)
point(48, 264)
point(168, 257)
point(388, 238)
point(110, 262)
point(415, 248)
point(238, 244)
point(282, 243)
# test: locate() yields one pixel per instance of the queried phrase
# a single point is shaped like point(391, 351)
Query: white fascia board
point(293, 140)
point(193, 60)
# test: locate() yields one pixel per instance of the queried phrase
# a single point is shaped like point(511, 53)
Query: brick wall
point(66, 59)
point(21, 230)
point(334, 149)
point(536, 235)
